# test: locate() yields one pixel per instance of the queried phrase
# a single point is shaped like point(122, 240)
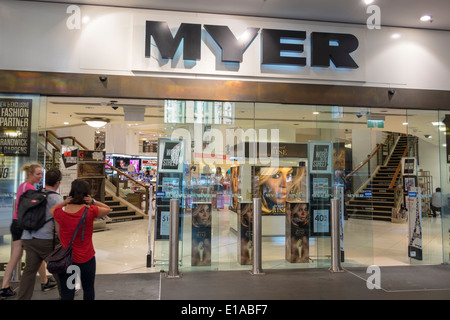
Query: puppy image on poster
point(201, 234)
point(297, 232)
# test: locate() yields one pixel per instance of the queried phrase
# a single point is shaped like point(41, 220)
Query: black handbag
point(61, 258)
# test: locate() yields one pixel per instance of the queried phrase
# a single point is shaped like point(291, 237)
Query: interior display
point(99, 140)
point(409, 182)
point(414, 209)
point(320, 221)
point(15, 129)
point(201, 234)
point(322, 160)
point(68, 167)
point(339, 156)
point(409, 166)
point(320, 186)
point(276, 185)
point(149, 146)
point(170, 155)
point(121, 163)
point(320, 157)
point(134, 165)
point(245, 233)
point(91, 167)
point(297, 231)
point(169, 185)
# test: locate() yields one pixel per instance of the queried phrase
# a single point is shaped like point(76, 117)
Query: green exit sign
point(375, 123)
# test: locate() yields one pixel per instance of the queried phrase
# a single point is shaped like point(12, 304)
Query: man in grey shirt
point(436, 201)
point(40, 243)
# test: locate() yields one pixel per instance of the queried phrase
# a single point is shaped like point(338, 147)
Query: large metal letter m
point(167, 45)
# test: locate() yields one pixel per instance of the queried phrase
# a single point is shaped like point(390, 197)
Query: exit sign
point(375, 123)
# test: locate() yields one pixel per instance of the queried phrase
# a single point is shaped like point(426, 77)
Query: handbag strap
point(82, 221)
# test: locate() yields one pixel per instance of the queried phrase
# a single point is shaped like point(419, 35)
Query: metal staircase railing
point(51, 145)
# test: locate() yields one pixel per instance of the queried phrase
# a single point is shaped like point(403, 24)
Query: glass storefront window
point(295, 158)
point(20, 119)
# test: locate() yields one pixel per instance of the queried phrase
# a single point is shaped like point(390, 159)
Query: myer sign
point(291, 51)
point(279, 47)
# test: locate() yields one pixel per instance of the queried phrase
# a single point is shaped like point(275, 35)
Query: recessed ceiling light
point(395, 35)
point(368, 1)
point(316, 112)
point(65, 122)
point(405, 123)
point(426, 18)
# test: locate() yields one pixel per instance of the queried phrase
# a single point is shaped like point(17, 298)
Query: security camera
point(115, 107)
point(391, 92)
point(359, 115)
point(103, 78)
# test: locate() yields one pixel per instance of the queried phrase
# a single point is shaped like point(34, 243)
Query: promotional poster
point(245, 233)
point(276, 185)
point(320, 157)
point(171, 155)
point(414, 208)
point(201, 234)
point(297, 231)
point(235, 186)
point(15, 127)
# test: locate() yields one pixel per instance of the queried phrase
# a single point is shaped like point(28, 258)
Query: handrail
point(68, 137)
point(147, 188)
point(126, 175)
point(52, 143)
point(391, 185)
point(371, 155)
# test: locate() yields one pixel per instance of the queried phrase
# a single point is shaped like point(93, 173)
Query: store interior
point(221, 171)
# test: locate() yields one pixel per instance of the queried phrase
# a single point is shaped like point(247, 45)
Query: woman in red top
point(67, 214)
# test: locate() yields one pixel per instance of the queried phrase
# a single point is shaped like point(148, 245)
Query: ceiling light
point(405, 123)
point(368, 1)
point(316, 112)
point(65, 122)
point(96, 122)
point(395, 35)
point(426, 18)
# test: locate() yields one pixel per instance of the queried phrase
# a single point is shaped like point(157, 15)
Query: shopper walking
point(67, 214)
point(40, 243)
point(34, 175)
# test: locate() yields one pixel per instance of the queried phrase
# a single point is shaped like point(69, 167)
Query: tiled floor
point(122, 273)
point(124, 246)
